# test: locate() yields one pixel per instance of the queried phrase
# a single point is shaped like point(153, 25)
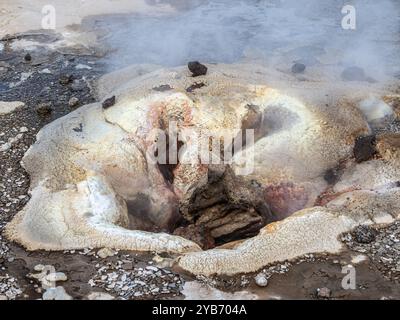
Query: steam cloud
point(274, 31)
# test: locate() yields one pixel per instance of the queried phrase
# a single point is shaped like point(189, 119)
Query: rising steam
point(275, 32)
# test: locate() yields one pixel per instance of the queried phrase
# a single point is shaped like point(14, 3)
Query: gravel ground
point(127, 280)
point(381, 245)
point(62, 81)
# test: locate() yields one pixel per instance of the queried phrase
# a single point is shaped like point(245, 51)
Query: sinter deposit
point(93, 185)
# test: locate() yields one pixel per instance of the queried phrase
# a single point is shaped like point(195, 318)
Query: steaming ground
point(274, 33)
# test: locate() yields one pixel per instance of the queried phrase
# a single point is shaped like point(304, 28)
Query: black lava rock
point(109, 102)
point(298, 68)
point(163, 88)
point(331, 176)
point(354, 74)
point(197, 69)
point(28, 57)
point(195, 86)
point(364, 234)
point(364, 148)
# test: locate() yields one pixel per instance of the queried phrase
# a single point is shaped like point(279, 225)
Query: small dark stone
point(197, 69)
point(78, 129)
point(66, 79)
point(195, 86)
point(353, 74)
point(109, 102)
point(163, 88)
point(44, 108)
point(298, 68)
point(364, 148)
point(331, 176)
point(364, 234)
point(73, 102)
point(28, 57)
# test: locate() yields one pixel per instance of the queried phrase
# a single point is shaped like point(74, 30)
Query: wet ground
point(59, 77)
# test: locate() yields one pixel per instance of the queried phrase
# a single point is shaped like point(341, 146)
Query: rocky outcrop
point(94, 182)
point(223, 206)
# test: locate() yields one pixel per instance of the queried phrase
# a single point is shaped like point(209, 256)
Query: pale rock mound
point(93, 185)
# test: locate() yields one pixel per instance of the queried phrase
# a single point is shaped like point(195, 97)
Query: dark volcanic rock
point(364, 148)
point(227, 206)
point(198, 234)
point(298, 68)
point(28, 57)
point(354, 74)
point(197, 69)
point(364, 234)
point(109, 102)
point(331, 176)
point(195, 86)
point(163, 88)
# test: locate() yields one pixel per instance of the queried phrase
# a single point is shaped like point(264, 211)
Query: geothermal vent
point(133, 172)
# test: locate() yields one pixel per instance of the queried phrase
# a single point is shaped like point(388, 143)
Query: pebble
point(56, 276)
point(298, 68)
point(324, 293)
point(6, 146)
point(108, 102)
point(45, 71)
point(81, 66)
point(57, 293)
point(28, 57)
point(364, 148)
point(261, 280)
point(44, 108)
point(23, 129)
point(100, 296)
point(163, 88)
point(39, 267)
point(73, 102)
point(197, 69)
point(7, 107)
point(105, 253)
point(353, 74)
point(152, 268)
point(66, 79)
